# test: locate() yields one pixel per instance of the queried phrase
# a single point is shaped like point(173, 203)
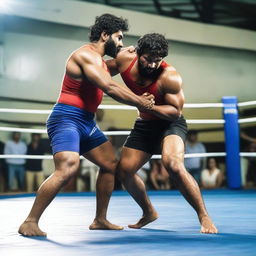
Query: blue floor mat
point(176, 232)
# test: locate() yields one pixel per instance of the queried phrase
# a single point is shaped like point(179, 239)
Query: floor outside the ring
point(176, 232)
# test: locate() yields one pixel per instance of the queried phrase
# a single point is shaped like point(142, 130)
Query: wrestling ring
point(176, 232)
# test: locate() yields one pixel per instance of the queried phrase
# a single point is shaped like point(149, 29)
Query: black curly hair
point(108, 23)
point(154, 44)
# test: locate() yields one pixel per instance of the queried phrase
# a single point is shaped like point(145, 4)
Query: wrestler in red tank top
point(137, 89)
point(81, 94)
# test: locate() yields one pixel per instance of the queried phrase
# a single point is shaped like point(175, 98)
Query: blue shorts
point(73, 129)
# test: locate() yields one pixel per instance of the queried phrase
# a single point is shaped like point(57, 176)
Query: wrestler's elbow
point(178, 113)
point(175, 114)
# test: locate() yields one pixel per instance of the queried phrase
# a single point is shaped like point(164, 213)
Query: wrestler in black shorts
point(147, 135)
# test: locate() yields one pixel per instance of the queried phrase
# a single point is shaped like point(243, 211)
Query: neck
point(98, 47)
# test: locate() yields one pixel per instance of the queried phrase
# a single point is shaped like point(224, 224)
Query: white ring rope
point(25, 111)
point(41, 131)
point(217, 154)
point(28, 130)
point(203, 105)
point(212, 154)
point(247, 103)
point(247, 120)
point(205, 121)
point(119, 107)
point(123, 107)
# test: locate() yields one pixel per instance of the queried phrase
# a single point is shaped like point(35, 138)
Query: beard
point(150, 73)
point(111, 49)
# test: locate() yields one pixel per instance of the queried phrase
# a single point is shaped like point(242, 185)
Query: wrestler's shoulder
point(170, 72)
point(170, 77)
point(86, 54)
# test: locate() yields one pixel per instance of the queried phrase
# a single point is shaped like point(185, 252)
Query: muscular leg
point(173, 160)
point(130, 162)
point(104, 157)
point(66, 165)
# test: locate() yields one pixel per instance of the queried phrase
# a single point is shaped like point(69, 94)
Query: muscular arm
point(91, 65)
point(171, 88)
point(112, 66)
point(113, 63)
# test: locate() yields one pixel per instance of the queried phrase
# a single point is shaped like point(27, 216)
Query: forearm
point(123, 95)
point(166, 112)
point(101, 79)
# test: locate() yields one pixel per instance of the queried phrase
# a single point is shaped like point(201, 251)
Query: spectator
point(195, 164)
point(246, 137)
point(34, 170)
point(15, 166)
point(159, 176)
point(211, 176)
point(248, 164)
point(251, 169)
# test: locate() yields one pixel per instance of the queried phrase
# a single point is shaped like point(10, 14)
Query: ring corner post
point(232, 141)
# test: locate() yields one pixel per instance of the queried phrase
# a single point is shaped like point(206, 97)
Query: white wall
point(35, 54)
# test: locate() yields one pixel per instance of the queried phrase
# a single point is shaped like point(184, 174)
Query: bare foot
point(104, 224)
point(29, 228)
point(207, 226)
point(146, 219)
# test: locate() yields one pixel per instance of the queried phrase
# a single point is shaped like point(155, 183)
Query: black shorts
point(147, 135)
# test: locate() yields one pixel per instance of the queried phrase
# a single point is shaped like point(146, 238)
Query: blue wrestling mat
point(176, 232)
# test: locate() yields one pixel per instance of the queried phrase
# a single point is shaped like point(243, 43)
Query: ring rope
point(217, 154)
point(124, 107)
point(212, 154)
point(246, 103)
point(247, 120)
point(44, 131)
point(119, 107)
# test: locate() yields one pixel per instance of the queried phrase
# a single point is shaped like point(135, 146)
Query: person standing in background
point(194, 164)
point(34, 170)
point(16, 166)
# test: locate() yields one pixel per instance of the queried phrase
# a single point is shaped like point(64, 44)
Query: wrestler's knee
point(109, 166)
point(66, 166)
point(173, 165)
point(124, 170)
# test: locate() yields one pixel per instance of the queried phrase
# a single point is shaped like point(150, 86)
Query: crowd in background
point(26, 175)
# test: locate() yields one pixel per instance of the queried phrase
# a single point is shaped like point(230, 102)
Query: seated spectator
point(34, 169)
point(159, 176)
point(211, 177)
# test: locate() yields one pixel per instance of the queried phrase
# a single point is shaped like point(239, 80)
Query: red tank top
point(137, 89)
point(80, 94)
